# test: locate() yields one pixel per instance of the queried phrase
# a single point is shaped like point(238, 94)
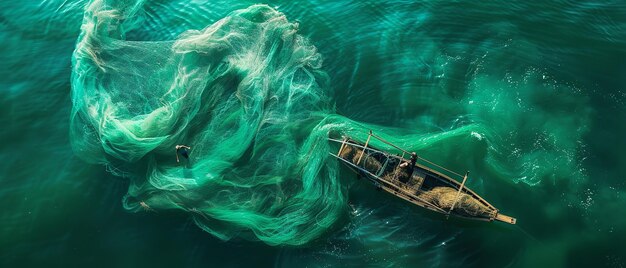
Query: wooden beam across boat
point(364, 147)
point(456, 199)
point(343, 144)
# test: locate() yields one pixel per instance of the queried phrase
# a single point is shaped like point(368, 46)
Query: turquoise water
point(527, 96)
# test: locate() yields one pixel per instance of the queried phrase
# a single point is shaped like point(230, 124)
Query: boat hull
point(420, 184)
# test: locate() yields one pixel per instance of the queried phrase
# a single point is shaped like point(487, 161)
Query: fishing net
point(445, 197)
point(246, 94)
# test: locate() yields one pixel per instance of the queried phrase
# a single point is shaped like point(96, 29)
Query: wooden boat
point(416, 180)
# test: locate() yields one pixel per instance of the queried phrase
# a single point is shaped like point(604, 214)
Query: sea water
point(529, 97)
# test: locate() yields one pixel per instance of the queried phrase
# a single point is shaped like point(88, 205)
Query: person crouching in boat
point(407, 168)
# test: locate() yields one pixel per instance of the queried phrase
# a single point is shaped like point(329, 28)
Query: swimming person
point(182, 150)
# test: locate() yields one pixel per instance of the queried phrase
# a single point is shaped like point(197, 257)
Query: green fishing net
point(245, 93)
point(248, 95)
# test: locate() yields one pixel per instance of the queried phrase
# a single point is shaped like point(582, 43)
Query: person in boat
point(408, 168)
point(183, 150)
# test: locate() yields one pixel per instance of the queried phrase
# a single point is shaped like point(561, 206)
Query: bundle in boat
point(445, 197)
point(353, 154)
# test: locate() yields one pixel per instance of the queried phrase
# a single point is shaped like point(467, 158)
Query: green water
point(530, 97)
